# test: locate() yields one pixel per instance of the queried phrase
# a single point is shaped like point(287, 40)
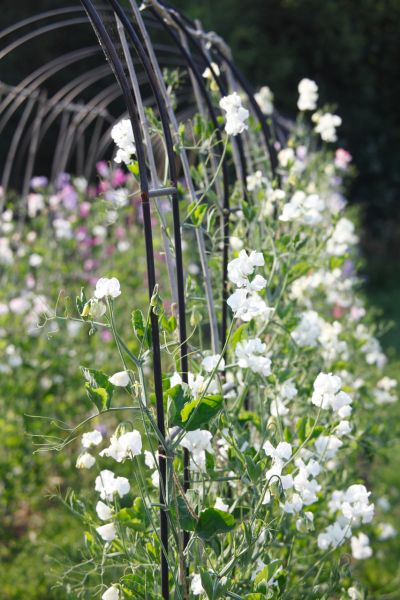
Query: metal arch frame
point(133, 35)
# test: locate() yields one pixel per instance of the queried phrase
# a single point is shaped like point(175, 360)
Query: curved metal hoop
point(136, 61)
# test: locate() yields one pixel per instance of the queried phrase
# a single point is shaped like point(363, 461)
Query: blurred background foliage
point(352, 49)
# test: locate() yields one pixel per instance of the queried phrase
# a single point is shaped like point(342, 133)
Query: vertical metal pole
point(112, 56)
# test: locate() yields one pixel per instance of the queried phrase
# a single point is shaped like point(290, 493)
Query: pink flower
point(103, 187)
point(84, 209)
point(342, 158)
point(102, 168)
point(118, 177)
point(106, 335)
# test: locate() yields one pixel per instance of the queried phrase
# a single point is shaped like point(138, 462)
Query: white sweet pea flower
point(107, 532)
point(360, 547)
point(220, 505)
point(120, 379)
point(247, 305)
point(209, 363)
point(306, 209)
point(250, 355)
point(149, 460)
point(122, 134)
point(294, 505)
point(244, 265)
point(334, 535)
point(281, 453)
point(308, 95)
point(286, 157)
point(197, 441)
point(195, 585)
point(125, 446)
point(386, 531)
point(103, 511)
point(85, 461)
point(208, 72)
point(256, 181)
point(342, 238)
point(265, 100)
point(308, 330)
point(91, 438)
point(112, 593)
point(108, 485)
point(106, 287)
point(236, 114)
point(327, 446)
point(326, 126)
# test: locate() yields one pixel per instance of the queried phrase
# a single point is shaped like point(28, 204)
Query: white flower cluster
point(197, 442)
point(265, 100)
point(245, 301)
point(236, 114)
point(306, 209)
point(342, 238)
point(125, 446)
point(308, 95)
point(385, 391)
point(251, 355)
point(122, 134)
point(85, 459)
point(326, 126)
point(354, 509)
point(309, 329)
point(109, 486)
point(328, 394)
point(256, 181)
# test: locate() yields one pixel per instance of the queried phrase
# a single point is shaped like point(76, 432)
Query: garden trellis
point(248, 355)
point(129, 39)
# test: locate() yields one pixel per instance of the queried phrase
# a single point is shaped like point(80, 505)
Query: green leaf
point(98, 388)
point(183, 407)
point(247, 415)
point(262, 576)
point(168, 324)
point(142, 332)
point(238, 335)
point(213, 521)
point(134, 168)
point(178, 396)
point(129, 518)
point(254, 470)
point(186, 519)
point(301, 428)
point(198, 214)
point(203, 411)
point(81, 301)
